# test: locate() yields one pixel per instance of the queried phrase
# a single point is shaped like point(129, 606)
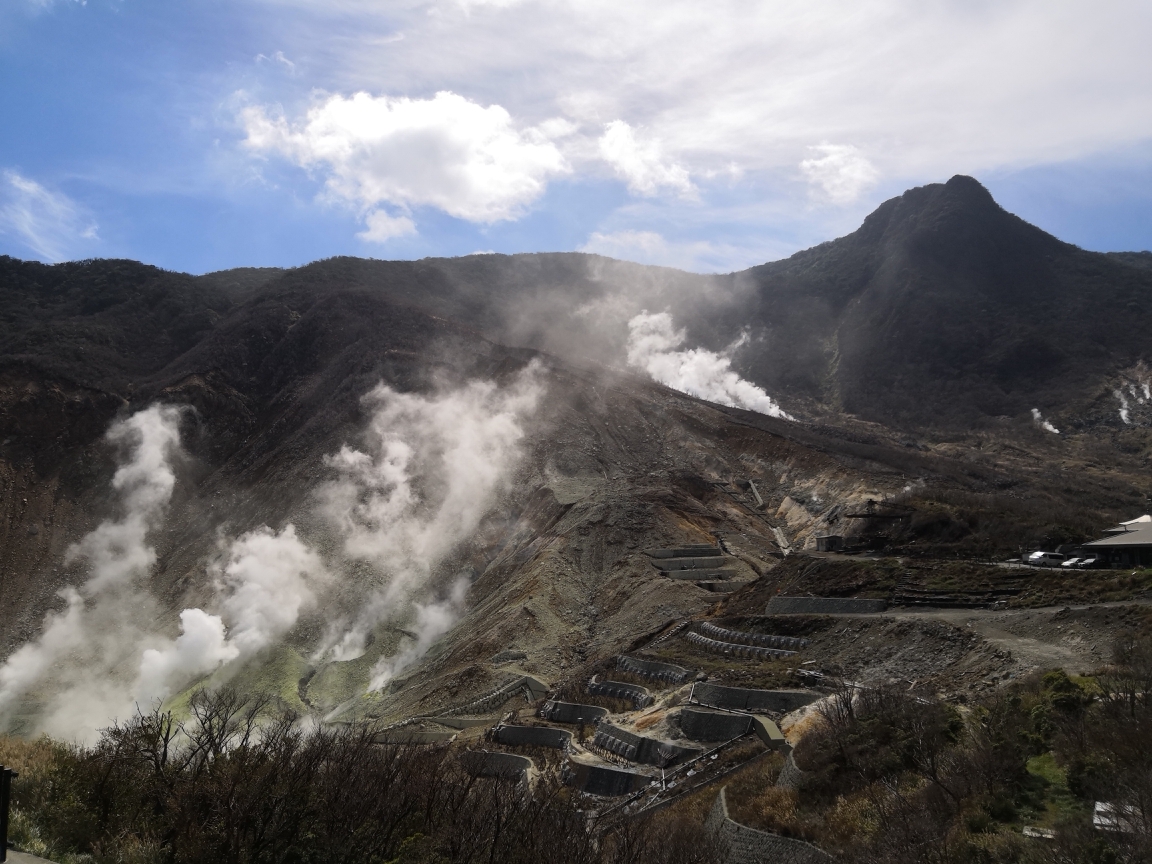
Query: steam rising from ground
point(430, 470)
point(79, 648)
point(428, 473)
point(654, 346)
point(1041, 423)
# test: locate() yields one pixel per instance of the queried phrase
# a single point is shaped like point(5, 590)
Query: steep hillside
point(471, 472)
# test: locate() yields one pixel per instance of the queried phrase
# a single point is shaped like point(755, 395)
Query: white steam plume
point(72, 665)
point(1124, 408)
point(654, 346)
point(1041, 423)
point(265, 580)
point(429, 473)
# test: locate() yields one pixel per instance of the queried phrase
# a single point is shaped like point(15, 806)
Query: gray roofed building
point(1129, 544)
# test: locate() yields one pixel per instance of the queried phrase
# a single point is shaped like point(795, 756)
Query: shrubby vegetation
point(890, 778)
point(236, 785)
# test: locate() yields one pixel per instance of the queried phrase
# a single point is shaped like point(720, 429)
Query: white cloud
point(641, 165)
point(49, 223)
point(840, 171)
point(447, 152)
point(277, 57)
point(382, 227)
point(926, 89)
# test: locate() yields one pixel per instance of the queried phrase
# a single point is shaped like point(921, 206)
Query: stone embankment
point(651, 669)
point(529, 686)
point(634, 693)
point(741, 699)
point(744, 845)
point(490, 763)
point(824, 606)
point(638, 748)
point(572, 713)
point(602, 780)
point(732, 649)
point(708, 725)
point(532, 736)
point(764, 640)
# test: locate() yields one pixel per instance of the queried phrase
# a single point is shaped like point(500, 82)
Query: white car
point(1045, 559)
point(1071, 563)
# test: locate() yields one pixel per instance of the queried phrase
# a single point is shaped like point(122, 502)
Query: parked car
point(1070, 563)
point(1045, 559)
point(1088, 562)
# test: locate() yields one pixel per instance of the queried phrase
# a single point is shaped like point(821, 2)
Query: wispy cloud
point(641, 164)
point(47, 222)
point(839, 171)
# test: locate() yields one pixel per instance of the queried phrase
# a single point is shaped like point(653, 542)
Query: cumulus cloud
point(47, 222)
point(382, 227)
point(654, 346)
point(642, 165)
point(430, 470)
point(840, 171)
point(447, 152)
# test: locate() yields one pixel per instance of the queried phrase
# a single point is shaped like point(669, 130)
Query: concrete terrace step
point(733, 649)
point(710, 562)
point(654, 670)
point(764, 640)
point(690, 551)
point(696, 575)
point(638, 748)
point(634, 693)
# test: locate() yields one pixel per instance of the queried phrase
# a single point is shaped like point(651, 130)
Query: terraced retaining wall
point(533, 736)
point(572, 712)
point(686, 552)
point(700, 724)
point(488, 763)
point(721, 574)
point(529, 686)
point(824, 606)
point(703, 724)
point(734, 650)
point(790, 776)
point(764, 640)
point(637, 695)
point(414, 736)
point(654, 670)
point(741, 699)
point(637, 748)
point(744, 845)
point(602, 780)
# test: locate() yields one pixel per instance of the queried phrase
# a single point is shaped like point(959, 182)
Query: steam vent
point(559, 557)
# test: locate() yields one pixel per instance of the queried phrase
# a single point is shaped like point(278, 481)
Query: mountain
point(910, 355)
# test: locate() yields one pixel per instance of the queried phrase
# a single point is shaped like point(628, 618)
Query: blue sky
point(208, 134)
